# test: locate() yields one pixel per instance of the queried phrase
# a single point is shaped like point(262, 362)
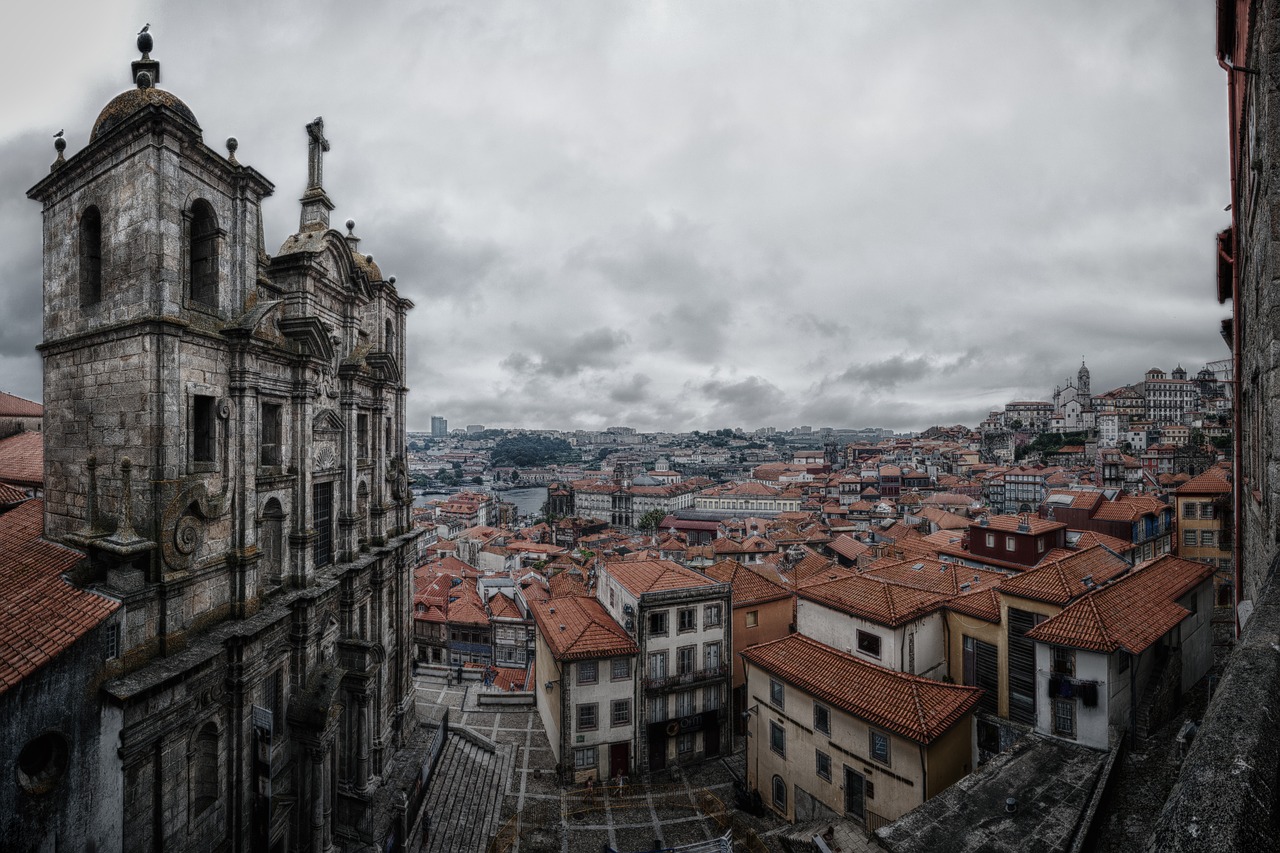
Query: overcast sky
point(693, 215)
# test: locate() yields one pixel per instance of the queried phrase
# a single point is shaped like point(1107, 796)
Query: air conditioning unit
point(628, 610)
point(631, 624)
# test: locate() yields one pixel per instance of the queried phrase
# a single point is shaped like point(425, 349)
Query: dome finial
point(59, 145)
point(145, 65)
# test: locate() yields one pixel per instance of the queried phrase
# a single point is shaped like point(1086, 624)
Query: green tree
point(650, 520)
point(477, 480)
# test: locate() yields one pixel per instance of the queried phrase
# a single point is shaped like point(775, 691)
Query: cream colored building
point(830, 735)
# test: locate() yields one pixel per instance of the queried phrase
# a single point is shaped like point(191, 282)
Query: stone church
point(225, 442)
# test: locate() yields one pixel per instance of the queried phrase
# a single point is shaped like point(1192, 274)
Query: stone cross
point(315, 152)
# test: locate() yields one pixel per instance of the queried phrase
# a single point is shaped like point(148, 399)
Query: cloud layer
point(676, 216)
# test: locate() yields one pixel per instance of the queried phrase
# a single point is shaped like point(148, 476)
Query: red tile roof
point(746, 586)
point(848, 547)
point(580, 629)
point(1211, 482)
point(1011, 523)
point(567, 585)
point(983, 604)
point(41, 615)
point(1129, 508)
point(22, 459)
point(935, 575)
point(17, 407)
point(917, 708)
point(11, 494)
point(1131, 613)
point(876, 600)
point(655, 576)
point(1060, 581)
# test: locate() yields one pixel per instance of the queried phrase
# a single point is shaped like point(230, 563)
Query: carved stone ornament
point(398, 479)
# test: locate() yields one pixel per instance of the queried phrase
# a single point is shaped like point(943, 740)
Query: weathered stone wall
point(82, 806)
point(1258, 310)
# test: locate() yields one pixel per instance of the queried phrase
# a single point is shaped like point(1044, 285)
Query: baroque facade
point(225, 436)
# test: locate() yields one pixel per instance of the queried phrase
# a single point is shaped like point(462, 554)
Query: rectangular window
point(778, 738)
point(1188, 510)
point(362, 436)
point(822, 718)
point(658, 665)
point(1064, 661)
point(1064, 717)
point(270, 434)
point(322, 517)
point(389, 449)
point(658, 709)
point(587, 671)
point(822, 763)
point(684, 743)
point(1206, 511)
point(584, 759)
point(686, 659)
point(1010, 544)
point(204, 429)
point(113, 642)
point(1188, 537)
point(686, 704)
point(869, 644)
point(658, 624)
point(713, 656)
point(879, 745)
point(1206, 537)
point(711, 615)
point(620, 712)
point(621, 668)
point(777, 694)
point(991, 540)
point(711, 698)
point(752, 618)
point(1039, 544)
point(688, 619)
point(588, 716)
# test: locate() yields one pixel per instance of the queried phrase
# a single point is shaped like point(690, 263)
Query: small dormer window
point(204, 255)
point(90, 257)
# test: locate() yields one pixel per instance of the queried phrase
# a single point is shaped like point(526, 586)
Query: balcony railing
point(687, 678)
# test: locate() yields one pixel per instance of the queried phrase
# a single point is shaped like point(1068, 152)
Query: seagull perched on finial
point(145, 27)
point(58, 135)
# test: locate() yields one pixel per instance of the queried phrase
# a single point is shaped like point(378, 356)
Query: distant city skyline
point(688, 216)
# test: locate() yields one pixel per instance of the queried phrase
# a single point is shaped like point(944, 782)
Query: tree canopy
point(531, 450)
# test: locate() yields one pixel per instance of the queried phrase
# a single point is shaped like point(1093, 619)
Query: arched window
point(273, 540)
point(779, 793)
point(362, 511)
point(90, 256)
point(202, 769)
point(204, 254)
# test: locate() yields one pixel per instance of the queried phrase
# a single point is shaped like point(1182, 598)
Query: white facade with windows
point(916, 647)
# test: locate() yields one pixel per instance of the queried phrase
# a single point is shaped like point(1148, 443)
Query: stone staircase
point(464, 800)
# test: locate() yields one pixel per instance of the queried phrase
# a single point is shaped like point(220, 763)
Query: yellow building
point(1203, 509)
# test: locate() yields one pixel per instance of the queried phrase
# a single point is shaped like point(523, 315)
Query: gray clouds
point(713, 214)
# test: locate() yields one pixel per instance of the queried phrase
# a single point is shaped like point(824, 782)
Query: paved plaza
point(672, 808)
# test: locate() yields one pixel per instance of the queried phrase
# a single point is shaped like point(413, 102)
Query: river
point(528, 501)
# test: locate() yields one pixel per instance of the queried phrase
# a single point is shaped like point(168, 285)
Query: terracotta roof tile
point(917, 708)
point(17, 407)
point(1061, 581)
point(41, 615)
point(935, 575)
point(1130, 613)
point(877, 600)
point(746, 586)
point(655, 575)
point(580, 629)
point(1011, 523)
point(1211, 482)
point(22, 459)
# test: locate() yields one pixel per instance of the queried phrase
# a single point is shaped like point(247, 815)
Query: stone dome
point(129, 102)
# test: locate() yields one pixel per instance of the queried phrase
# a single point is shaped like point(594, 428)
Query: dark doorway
point(619, 759)
point(854, 799)
point(657, 750)
point(711, 738)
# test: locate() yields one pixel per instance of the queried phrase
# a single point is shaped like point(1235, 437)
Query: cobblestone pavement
point(668, 812)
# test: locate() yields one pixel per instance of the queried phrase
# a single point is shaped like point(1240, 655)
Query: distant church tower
point(225, 440)
point(1082, 385)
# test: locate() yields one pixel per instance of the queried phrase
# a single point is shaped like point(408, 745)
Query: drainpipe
point(1133, 701)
